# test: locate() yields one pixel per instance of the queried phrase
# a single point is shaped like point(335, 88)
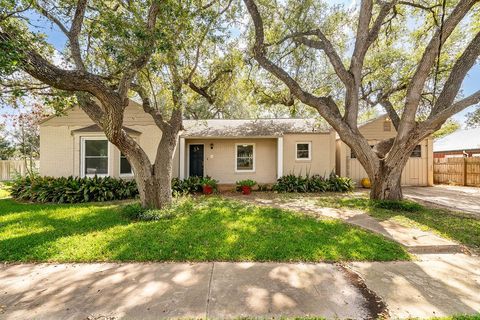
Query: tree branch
point(141, 60)
point(425, 65)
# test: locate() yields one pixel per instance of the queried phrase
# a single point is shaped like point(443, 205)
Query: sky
point(58, 40)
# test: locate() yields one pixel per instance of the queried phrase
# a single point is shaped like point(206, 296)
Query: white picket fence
point(9, 169)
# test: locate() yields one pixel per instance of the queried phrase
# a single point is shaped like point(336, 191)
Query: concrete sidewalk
point(433, 286)
point(158, 290)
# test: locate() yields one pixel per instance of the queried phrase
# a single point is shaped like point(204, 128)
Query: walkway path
point(413, 239)
point(436, 285)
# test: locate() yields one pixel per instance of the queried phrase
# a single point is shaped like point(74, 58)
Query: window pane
point(244, 164)
point(96, 148)
point(302, 151)
point(125, 167)
point(245, 157)
point(245, 151)
point(417, 152)
point(96, 165)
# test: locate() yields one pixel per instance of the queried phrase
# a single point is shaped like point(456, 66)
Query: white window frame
point(82, 157)
point(309, 151)
point(120, 174)
point(236, 156)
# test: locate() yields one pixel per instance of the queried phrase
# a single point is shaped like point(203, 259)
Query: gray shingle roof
point(459, 140)
point(250, 128)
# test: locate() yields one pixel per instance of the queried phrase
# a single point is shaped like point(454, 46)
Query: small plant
point(209, 185)
point(246, 185)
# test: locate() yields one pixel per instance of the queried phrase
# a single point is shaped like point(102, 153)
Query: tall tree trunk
point(386, 184)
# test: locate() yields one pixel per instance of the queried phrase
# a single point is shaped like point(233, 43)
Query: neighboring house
point(226, 150)
point(461, 143)
point(418, 170)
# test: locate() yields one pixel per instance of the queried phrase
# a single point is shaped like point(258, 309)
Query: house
point(418, 170)
point(226, 150)
point(461, 143)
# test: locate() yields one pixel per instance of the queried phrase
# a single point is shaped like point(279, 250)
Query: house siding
point(322, 160)
point(417, 171)
point(60, 149)
point(219, 162)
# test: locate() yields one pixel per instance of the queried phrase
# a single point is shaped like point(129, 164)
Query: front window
point(95, 157)
point(245, 157)
point(125, 167)
point(303, 151)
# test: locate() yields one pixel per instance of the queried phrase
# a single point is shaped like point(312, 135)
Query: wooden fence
point(9, 169)
point(459, 171)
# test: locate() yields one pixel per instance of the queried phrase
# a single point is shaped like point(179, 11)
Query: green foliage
point(180, 206)
point(315, 183)
point(202, 229)
point(246, 183)
point(72, 189)
point(447, 128)
point(188, 185)
point(405, 205)
point(207, 181)
point(473, 119)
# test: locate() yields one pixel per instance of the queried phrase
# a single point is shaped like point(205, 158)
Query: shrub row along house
point(226, 150)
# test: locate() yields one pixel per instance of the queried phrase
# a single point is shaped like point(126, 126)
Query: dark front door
point(196, 160)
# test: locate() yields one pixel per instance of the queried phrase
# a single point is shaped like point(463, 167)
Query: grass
point(457, 226)
point(4, 190)
point(200, 229)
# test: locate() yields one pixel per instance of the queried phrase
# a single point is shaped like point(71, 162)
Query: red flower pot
point(207, 189)
point(246, 190)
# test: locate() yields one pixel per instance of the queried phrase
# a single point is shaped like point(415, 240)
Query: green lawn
point(4, 192)
point(203, 229)
point(454, 225)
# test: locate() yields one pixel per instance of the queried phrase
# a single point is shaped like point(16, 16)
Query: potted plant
point(246, 185)
point(208, 185)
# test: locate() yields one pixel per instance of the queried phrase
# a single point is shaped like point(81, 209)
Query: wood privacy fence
point(459, 171)
point(9, 169)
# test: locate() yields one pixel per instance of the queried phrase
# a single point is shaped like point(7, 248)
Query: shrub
point(246, 183)
point(179, 206)
point(315, 183)
point(72, 189)
point(188, 185)
point(405, 205)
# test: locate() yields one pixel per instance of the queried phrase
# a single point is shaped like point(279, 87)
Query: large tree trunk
point(386, 184)
point(154, 182)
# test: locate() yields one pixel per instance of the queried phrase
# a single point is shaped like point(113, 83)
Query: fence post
point(464, 171)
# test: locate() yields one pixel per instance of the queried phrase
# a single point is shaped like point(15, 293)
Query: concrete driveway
point(457, 198)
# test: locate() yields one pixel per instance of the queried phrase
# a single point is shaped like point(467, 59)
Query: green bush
point(405, 205)
point(207, 181)
point(180, 206)
point(315, 183)
point(72, 189)
point(246, 183)
point(188, 185)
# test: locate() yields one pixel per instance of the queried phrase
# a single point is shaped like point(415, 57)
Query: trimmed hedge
point(72, 189)
point(315, 183)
